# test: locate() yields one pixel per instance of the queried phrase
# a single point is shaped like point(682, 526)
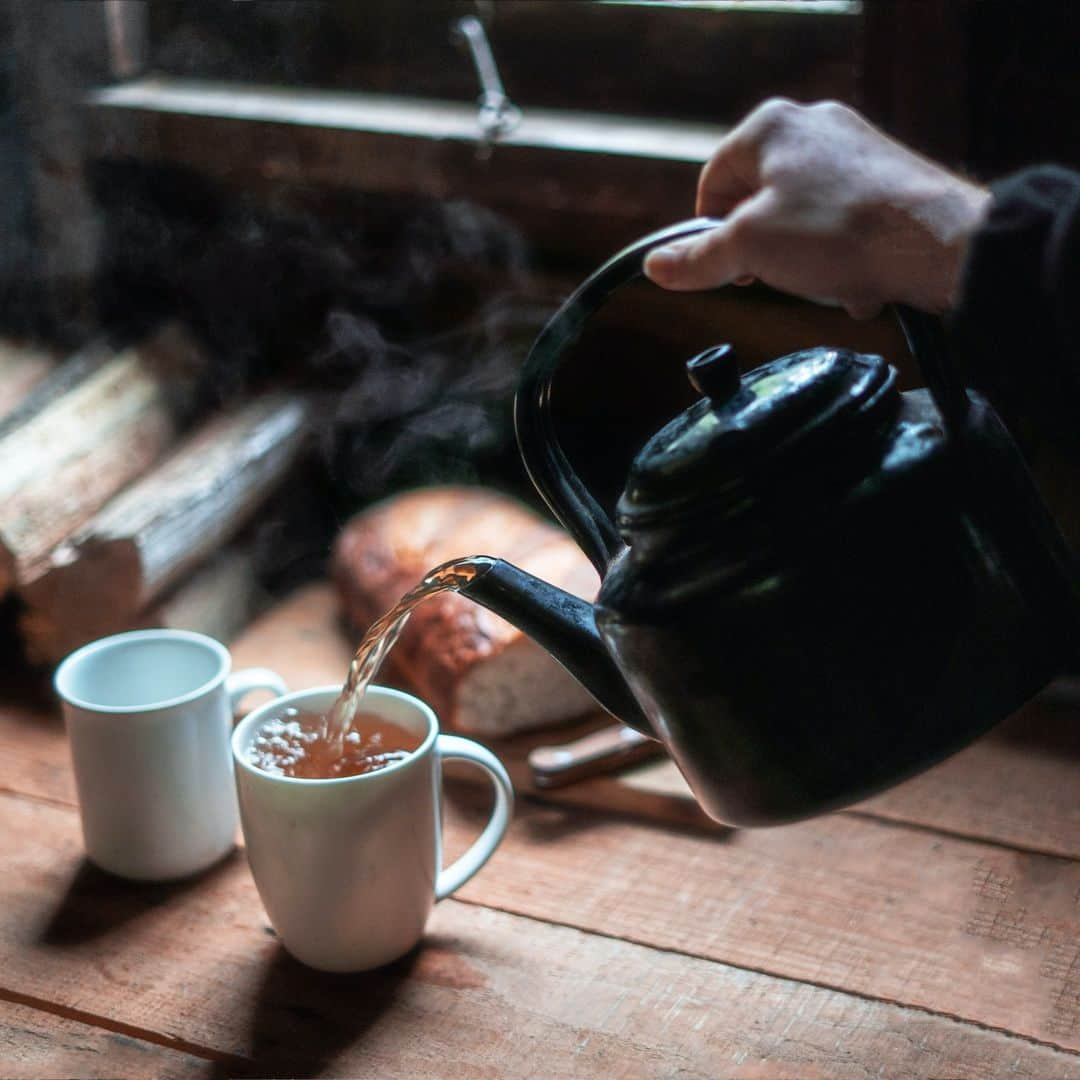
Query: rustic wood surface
point(36, 1043)
point(1016, 786)
point(193, 967)
point(593, 943)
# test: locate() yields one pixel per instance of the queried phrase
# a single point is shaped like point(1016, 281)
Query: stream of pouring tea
point(383, 634)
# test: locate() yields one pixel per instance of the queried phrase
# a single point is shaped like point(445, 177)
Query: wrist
point(967, 208)
point(948, 220)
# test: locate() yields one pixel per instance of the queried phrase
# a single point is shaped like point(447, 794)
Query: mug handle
point(450, 747)
point(241, 683)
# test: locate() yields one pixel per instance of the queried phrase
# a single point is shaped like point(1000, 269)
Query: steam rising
point(431, 409)
point(409, 317)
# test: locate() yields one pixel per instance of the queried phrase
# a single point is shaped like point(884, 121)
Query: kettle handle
point(926, 340)
point(546, 463)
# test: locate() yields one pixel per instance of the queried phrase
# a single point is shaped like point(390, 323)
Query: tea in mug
point(298, 744)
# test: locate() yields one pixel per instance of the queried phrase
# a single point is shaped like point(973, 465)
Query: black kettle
point(815, 585)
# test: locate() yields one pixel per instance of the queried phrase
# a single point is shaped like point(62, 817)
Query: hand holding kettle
point(819, 203)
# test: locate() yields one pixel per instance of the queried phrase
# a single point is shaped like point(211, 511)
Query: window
point(620, 101)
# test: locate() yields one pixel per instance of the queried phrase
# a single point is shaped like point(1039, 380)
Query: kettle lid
point(752, 429)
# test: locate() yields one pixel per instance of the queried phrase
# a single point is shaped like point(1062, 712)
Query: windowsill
point(579, 184)
point(417, 118)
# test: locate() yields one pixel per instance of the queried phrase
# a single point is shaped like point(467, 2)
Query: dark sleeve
point(1016, 330)
point(1017, 326)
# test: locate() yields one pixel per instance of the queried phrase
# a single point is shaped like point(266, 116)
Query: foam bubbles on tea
point(295, 744)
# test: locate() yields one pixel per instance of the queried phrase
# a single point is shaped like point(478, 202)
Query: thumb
point(717, 257)
point(699, 262)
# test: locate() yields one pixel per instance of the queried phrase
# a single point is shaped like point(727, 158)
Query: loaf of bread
point(479, 673)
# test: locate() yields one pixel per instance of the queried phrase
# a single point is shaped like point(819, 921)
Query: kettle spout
point(564, 626)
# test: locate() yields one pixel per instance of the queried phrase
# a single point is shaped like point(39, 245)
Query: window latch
point(497, 115)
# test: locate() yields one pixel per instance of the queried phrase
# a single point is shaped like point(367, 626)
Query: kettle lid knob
point(715, 373)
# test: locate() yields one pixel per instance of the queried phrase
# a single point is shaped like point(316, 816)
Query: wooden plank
point(971, 930)
point(975, 931)
point(488, 993)
point(1015, 786)
point(36, 761)
point(35, 1044)
point(1018, 785)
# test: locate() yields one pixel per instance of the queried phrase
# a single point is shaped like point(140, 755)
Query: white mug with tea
point(349, 866)
point(149, 716)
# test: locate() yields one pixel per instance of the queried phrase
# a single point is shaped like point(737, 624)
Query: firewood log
point(22, 367)
point(64, 377)
point(219, 599)
point(151, 534)
point(82, 435)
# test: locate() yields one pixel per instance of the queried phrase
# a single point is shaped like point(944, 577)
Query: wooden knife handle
point(599, 752)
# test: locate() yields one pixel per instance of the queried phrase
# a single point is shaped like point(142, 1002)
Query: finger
point(701, 262)
point(713, 258)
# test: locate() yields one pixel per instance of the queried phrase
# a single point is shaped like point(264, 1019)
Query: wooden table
point(932, 932)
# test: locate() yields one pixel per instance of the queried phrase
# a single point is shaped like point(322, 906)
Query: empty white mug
point(149, 716)
point(348, 869)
